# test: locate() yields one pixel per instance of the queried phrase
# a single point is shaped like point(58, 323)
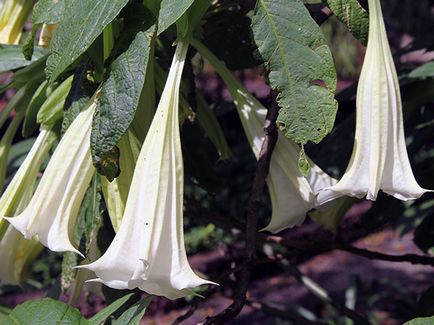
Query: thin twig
point(262, 168)
point(283, 314)
point(320, 293)
point(410, 258)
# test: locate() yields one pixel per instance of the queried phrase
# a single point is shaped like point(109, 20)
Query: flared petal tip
point(65, 248)
point(409, 195)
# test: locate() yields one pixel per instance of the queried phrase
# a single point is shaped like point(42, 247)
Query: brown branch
point(409, 258)
point(251, 229)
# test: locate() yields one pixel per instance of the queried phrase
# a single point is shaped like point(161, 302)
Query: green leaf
point(421, 321)
point(118, 102)
point(34, 72)
point(303, 163)
point(352, 14)
point(52, 109)
point(300, 67)
point(79, 95)
point(135, 313)
point(82, 23)
point(45, 311)
point(170, 12)
point(110, 309)
point(424, 71)
point(88, 222)
point(48, 11)
point(11, 57)
point(39, 97)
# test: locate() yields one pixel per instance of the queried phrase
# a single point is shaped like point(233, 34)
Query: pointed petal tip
point(274, 229)
point(407, 196)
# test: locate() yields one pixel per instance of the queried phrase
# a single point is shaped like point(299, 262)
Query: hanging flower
point(292, 195)
point(148, 250)
point(53, 209)
point(16, 253)
point(12, 18)
point(21, 187)
point(379, 159)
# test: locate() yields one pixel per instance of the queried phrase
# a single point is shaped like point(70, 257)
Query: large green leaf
point(11, 57)
point(421, 321)
point(44, 311)
point(352, 14)
point(118, 101)
point(170, 12)
point(81, 24)
point(48, 11)
point(300, 67)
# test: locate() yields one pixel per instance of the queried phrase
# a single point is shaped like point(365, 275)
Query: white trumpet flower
point(148, 250)
point(21, 187)
point(379, 159)
point(292, 195)
point(53, 209)
point(15, 251)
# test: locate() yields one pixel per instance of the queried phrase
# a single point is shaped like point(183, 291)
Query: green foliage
point(82, 23)
point(118, 102)
point(110, 309)
point(48, 311)
point(48, 11)
point(11, 57)
point(352, 14)
point(45, 311)
point(300, 68)
point(170, 12)
point(134, 314)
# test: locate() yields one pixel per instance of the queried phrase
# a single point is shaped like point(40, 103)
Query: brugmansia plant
point(127, 137)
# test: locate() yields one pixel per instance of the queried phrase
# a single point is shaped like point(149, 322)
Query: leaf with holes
point(300, 67)
point(352, 14)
